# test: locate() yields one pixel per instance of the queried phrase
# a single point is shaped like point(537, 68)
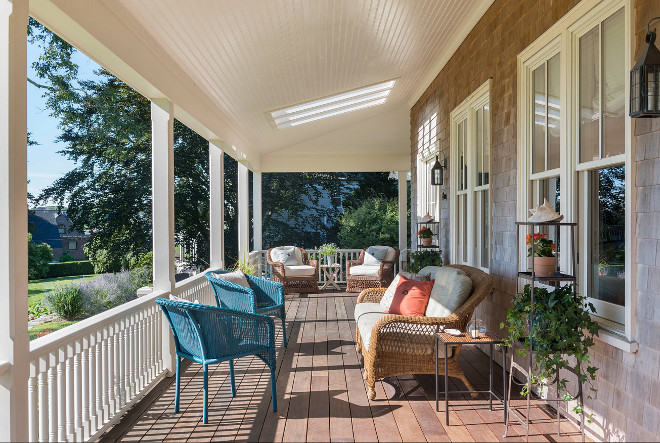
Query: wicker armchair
point(295, 284)
point(358, 283)
point(402, 345)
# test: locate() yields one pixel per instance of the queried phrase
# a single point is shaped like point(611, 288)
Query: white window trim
point(466, 111)
point(564, 35)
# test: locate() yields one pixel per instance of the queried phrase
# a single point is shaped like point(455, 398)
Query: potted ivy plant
point(543, 250)
point(561, 332)
point(329, 251)
point(426, 235)
point(421, 259)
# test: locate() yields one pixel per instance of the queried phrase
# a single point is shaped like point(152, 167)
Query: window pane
point(486, 167)
point(553, 112)
point(548, 189)
point(482, 223)
point(607, 221)
point(461, 156)
point(478, 136)
point(614, 76)
point(538, 130)
point(589, 96)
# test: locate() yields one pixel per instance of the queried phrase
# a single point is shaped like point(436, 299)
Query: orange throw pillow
point(411, 297)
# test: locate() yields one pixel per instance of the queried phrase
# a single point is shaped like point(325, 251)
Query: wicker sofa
point(301, 278)
point(380, 276)
point(402, 345)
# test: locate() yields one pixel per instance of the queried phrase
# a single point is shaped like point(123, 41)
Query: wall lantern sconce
point(645, 80)
point(437, 175)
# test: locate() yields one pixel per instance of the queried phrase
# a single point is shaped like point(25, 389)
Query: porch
point(322, 396)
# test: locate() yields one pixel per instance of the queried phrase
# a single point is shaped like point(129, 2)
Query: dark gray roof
point(42, 224)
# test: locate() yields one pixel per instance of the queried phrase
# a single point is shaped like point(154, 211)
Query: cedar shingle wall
point(628, 403)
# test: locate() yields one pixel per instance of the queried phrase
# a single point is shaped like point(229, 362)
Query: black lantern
point(437, 176)
point(645, 81)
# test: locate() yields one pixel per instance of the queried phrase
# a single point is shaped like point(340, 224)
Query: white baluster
point(61, 396)
point(85, 389)
point(98, 377)
point(150, 363)
point(159, 340)
point(122, 364)
point(33, 401)
point(70, 412)
point(52, 400)
point(143, 349)
point(93, 422)
point(107, 372)
point(42, 381)
point(78, 396)
point(130, 360)
point(114, 391)
point(103, 393)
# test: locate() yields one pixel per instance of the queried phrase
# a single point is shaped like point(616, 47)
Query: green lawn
point(38, 288)
point(53, 326)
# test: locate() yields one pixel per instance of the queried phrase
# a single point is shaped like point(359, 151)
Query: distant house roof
point(43, 225)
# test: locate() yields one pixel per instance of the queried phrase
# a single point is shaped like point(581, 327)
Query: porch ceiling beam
point(14, 344)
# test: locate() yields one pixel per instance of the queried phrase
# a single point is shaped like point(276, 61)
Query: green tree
point(39, 255)
point(375, 222)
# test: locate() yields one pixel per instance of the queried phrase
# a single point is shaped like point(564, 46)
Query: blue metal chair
point(264, 296)
point(208, 335)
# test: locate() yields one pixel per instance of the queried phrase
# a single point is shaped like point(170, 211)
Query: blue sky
point(45, 165)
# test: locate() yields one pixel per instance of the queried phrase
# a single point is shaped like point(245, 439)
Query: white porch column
point(14, 344)
point(243, 212)
point(256, 211)
point(403, 215)
point(162, 189)
point(217, 206)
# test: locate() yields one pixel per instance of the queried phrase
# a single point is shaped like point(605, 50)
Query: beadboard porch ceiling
point(226, 64)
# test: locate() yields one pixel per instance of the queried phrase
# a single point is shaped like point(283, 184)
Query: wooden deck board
point(322, 395)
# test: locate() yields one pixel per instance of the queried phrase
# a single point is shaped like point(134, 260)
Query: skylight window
point(314, 110)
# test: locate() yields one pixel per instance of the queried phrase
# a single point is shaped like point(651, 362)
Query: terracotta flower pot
point(544, 266)
point(427, 241)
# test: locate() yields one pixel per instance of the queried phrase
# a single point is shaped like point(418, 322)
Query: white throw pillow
point(285, 255)
point(236, 277)
point(452, 288)
point(374, 255)
point(388, 296)
point(175, 298)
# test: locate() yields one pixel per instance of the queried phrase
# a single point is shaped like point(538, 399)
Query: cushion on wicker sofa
point(451, 289)
point(365, 270)
point(299, 270)
point(386, 299)
point(368, 314)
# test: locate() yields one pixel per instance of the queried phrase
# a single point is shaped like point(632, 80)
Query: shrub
point(66, 269)
point(66, 257)
point(376, 222)
point(110, 290)
point(39, 255)
point(104, 261)
point(37, 309)
point(66, 301)
point(420, 259)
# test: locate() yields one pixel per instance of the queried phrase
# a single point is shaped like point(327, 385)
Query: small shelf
point(428, 247)
point(557, 277)
point(545, 224)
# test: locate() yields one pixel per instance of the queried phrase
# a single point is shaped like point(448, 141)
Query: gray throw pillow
point(452, 288)
point(374, 255)
point(236, 277)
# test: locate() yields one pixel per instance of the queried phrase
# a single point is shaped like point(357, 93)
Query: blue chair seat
point(209, 335)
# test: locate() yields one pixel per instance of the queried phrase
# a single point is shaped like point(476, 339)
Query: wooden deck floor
point(322, 396)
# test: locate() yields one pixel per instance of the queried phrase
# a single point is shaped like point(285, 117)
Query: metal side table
point(465, 339)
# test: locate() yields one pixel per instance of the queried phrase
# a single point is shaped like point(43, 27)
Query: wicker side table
point(465, 339)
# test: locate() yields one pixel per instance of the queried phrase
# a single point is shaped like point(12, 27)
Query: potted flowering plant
point(543, 251)
point(329, 251)
point(426, 235)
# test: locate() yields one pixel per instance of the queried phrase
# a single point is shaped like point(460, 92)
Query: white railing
point(196, 289)
point(342, 257)
point(83, 377)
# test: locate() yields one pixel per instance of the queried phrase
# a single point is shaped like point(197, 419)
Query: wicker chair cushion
point(374, 255)
point(386, 299)
point(287, 255)
point(367, 315)
point(299, 270)
point(365, 270)
point(236, 277)
point(452, 288)
point(175, 298)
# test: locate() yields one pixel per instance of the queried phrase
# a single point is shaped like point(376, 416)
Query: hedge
point(69, 268)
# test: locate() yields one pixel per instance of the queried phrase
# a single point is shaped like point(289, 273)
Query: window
point(73, 246)
point(470, 138)
point(428, 196)
point(578, 160)
point(61, 229)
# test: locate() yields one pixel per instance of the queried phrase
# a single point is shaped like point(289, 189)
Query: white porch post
point(162, 188)
point(217, 206)
point(243, 212)
point(403, 215)
point(14, 344)
point(256, 211)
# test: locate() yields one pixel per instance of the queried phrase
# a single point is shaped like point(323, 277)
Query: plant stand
point(531, 278)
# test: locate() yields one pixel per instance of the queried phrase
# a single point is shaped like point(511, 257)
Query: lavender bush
point(110, 290)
